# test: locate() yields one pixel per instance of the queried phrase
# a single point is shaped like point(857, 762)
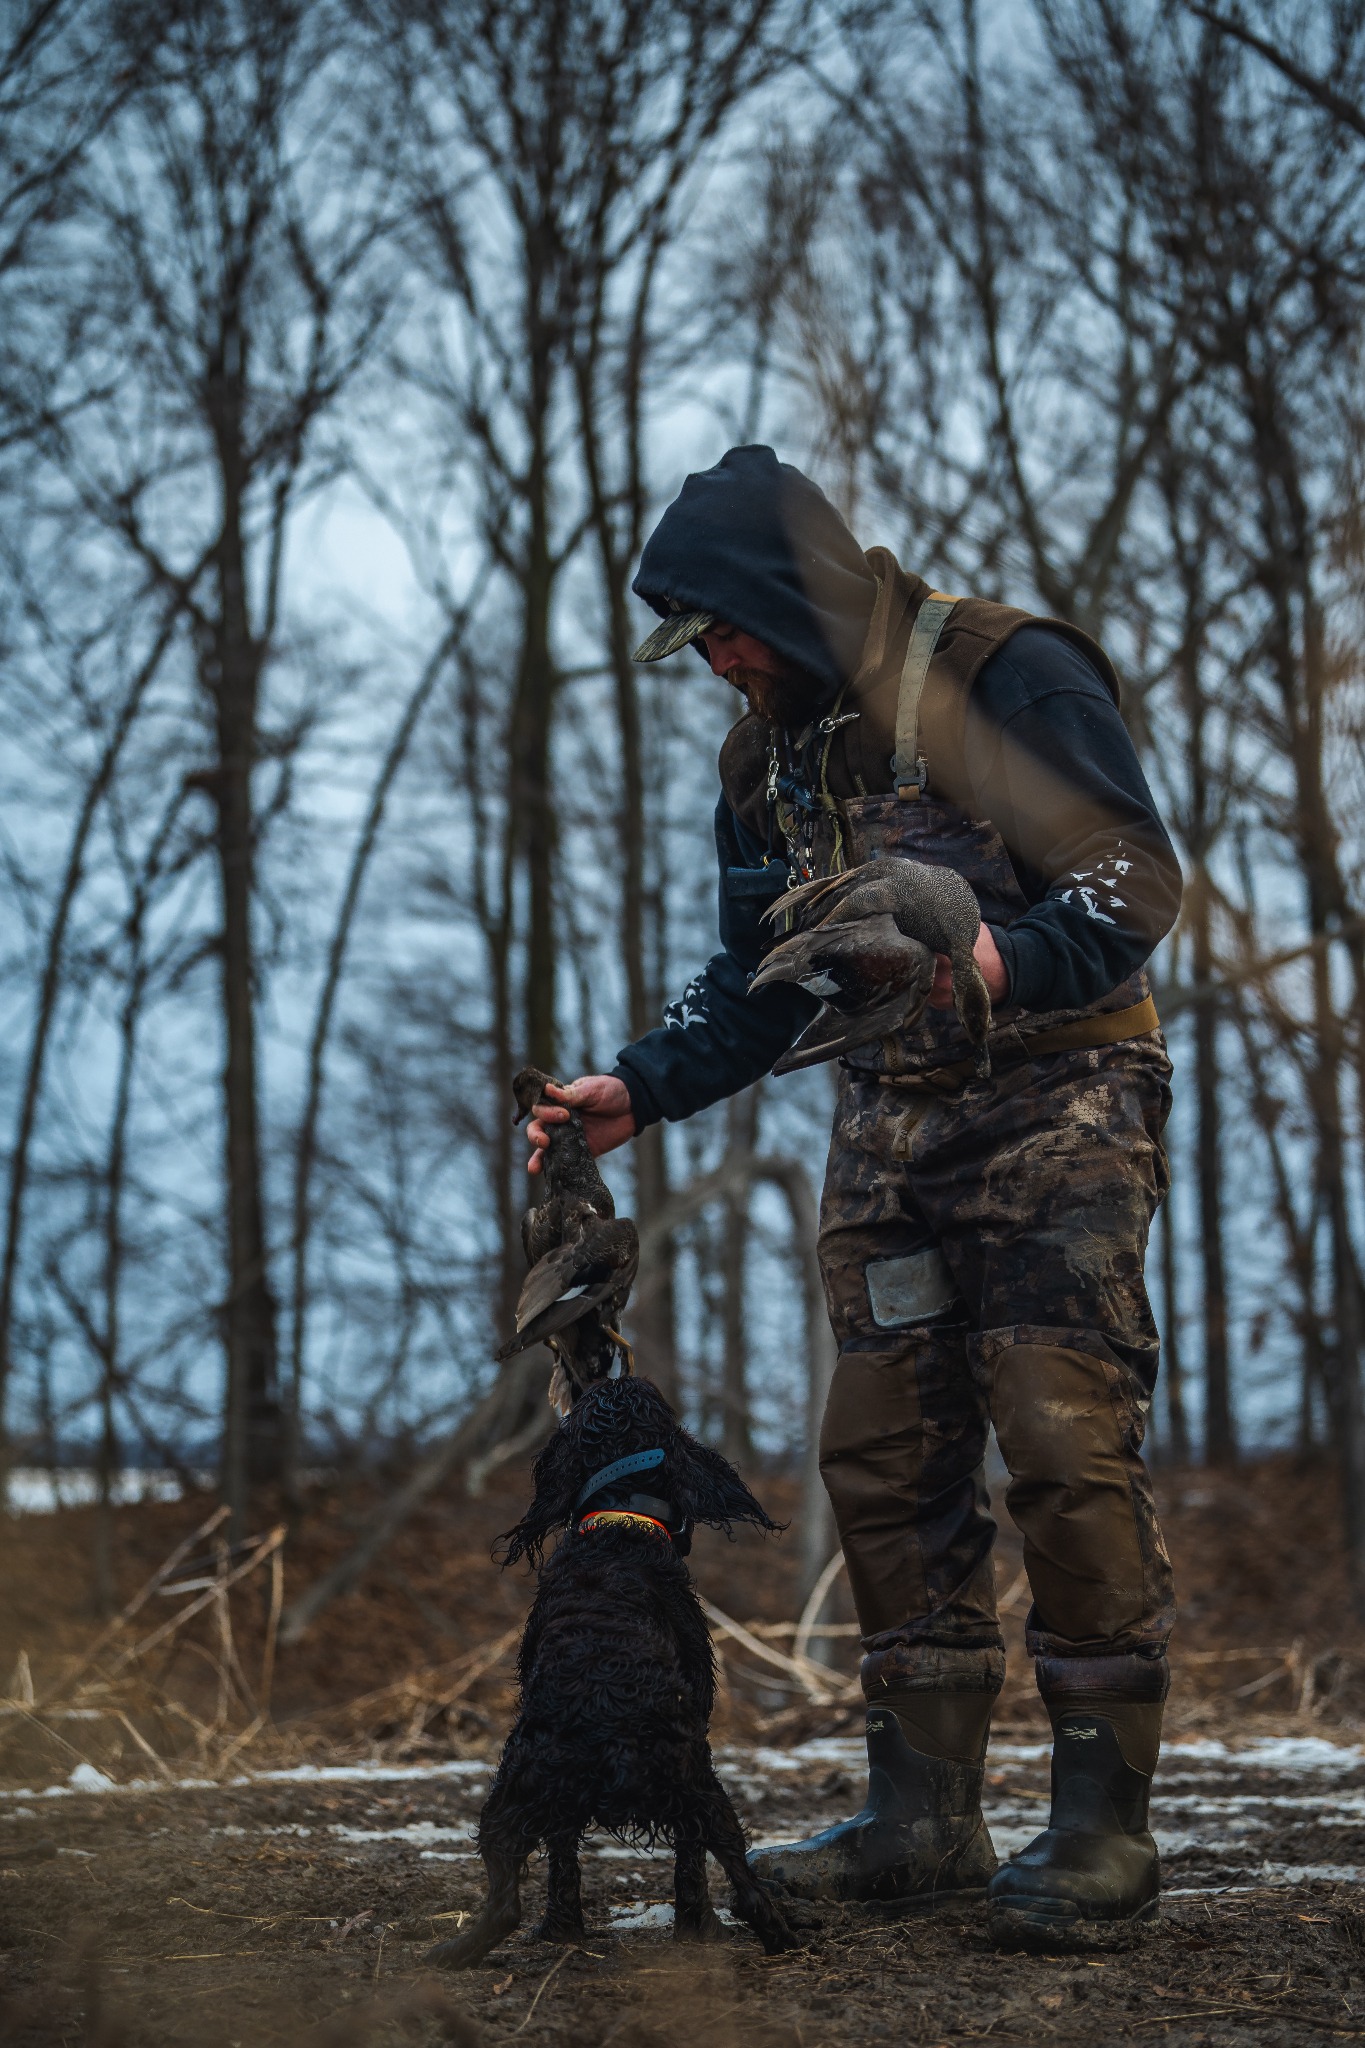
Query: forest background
point(347, 354)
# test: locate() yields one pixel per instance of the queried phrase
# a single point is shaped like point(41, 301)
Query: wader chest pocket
point(910, 1289)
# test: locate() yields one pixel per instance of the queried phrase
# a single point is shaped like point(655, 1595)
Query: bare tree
point(237, 312)
point(1256, 204)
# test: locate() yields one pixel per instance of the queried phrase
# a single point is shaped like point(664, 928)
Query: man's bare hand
point(601, 1100)
point(988, 959)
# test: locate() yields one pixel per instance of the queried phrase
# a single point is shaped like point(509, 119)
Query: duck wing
point(850, 965)
point(573, 1279)
point(826, 891)
point(871, 980)
point(555, 1221)
point(834, 1032)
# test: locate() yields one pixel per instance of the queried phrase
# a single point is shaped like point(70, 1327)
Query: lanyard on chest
point(797, 807)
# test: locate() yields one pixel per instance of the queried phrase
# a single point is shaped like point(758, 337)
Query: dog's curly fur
point(617, 1684)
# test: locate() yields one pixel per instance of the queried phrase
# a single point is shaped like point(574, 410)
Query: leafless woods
point(346, 353)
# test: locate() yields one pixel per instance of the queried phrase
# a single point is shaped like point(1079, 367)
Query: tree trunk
point(531, 795)
point(1220, 1445)
point(252, 1440)
point(1172, 1363)
point(305, 1155)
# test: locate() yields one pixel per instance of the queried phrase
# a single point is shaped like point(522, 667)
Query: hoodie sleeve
point(1054, 768)
point(715, 1038)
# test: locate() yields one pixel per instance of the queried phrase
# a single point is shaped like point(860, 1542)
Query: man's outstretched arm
point(716, 1038)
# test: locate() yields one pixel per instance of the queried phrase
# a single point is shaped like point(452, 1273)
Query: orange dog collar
point(621, 1518)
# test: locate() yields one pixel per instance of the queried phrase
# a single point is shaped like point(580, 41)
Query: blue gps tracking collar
point(639, 1461)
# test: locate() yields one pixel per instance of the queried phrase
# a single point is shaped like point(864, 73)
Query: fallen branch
point(812, 1678)
point(139, 1600)
point(263, 1550)
point(810, 1613)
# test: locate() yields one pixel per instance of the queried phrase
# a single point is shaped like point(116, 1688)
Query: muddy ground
point(297, 1907)
point(285, 1894)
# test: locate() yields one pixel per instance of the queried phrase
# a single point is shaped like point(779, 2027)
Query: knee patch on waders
point(1072, 1461)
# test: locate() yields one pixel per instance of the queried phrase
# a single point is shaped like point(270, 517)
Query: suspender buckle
point(910, 782)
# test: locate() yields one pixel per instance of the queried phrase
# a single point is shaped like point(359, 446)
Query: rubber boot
point(1096, 1862)
point(921, 1835)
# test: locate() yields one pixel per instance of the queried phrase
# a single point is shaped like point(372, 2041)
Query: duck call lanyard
point(789, 795)
point(791, 800)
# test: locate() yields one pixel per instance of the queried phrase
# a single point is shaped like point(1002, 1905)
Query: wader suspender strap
point(909, 771)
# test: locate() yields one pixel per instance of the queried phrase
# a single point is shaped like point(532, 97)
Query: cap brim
point(674, 633)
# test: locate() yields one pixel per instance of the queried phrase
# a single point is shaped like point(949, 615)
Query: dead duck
point(583, 1258)
point(860, 943)
point(871, 980)
point(592, 1273)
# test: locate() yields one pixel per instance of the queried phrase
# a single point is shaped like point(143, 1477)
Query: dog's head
point(619, 1419)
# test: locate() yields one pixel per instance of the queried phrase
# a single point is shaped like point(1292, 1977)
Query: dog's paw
point(800, 1915)
point(455, 1955)
point(707, 1926)
point(558, 1929)
point(779, 1937)
point(795, 1911)
point(465, 1950)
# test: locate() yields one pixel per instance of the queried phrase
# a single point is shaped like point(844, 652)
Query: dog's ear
point(558, 1475)
point(711, 1491)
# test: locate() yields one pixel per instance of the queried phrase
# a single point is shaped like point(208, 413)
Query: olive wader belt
point(911, 774)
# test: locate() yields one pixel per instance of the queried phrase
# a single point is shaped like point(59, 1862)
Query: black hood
point(759, 545)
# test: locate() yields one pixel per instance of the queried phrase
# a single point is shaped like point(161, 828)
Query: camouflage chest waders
point(982, 1245)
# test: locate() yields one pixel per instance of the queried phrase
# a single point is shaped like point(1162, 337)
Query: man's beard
point(792, 698)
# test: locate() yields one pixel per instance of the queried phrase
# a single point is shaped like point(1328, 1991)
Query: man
point(982, 1240)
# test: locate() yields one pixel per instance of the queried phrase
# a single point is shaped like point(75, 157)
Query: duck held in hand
point(583, 1257)
point(865, 944)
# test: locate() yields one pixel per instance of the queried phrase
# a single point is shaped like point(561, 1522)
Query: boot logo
point(875, 1724)
point(1090, 1734)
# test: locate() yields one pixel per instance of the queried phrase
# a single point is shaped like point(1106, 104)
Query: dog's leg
point(504, 1849)
point(694, 1917)
point(563, 1919)
point(725, 1839)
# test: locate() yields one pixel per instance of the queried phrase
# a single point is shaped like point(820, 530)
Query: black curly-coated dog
point(617, 1675)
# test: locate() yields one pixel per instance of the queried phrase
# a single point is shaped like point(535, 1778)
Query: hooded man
point(982, 1239)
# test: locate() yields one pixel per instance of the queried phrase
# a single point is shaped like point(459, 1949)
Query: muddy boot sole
point(1056, 1926)
point(886, 1892)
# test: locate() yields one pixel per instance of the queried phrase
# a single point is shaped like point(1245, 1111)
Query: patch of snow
point(1348, 1804)
point(40, 1490)
point(376, 1773)
point(1288, 1753)
point(297, 1774)
point(415, 1831)
point(639, 1918)
point(85, 1778)
point(632, 1919)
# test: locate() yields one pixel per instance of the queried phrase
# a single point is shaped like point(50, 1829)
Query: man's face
point(776, 688)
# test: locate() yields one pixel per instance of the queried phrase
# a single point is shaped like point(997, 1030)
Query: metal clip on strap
point(908, 769)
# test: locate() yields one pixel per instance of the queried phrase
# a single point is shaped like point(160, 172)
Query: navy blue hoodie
point(759, 545)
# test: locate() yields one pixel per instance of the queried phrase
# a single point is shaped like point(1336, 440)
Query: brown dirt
point(239, 1914)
